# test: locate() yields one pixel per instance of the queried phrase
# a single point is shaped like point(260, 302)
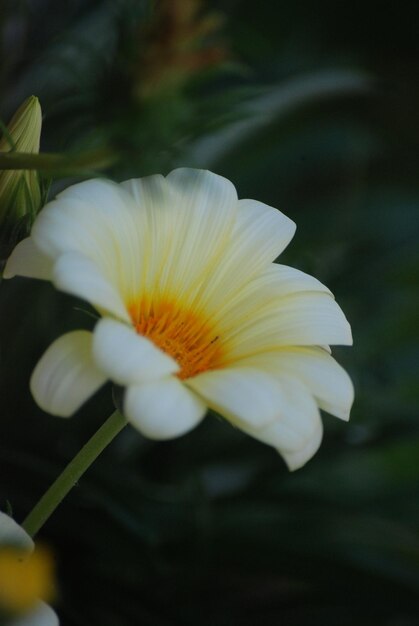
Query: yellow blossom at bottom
point(25, 579)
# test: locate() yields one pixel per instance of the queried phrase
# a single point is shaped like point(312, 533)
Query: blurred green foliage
point(312, 108)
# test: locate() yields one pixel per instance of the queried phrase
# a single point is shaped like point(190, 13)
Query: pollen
point(24, 579)
point(186, 336)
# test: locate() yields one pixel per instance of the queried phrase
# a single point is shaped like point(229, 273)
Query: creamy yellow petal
point(264, 293)
point(296, 459)
point(79, 276)
point(307, 318)
point(126, 357)
point(66, 375)
point(297, 430)
point(260, 234)
point(202, 221)
point(83, 218)
point(150, 193)
point(279, 412)
point(241, 394)
point(323, 376)
point(163, 409)
point(109, 232)
point(154, 205)
point(27, 260)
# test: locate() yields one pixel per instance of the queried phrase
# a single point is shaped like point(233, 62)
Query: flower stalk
point(72, 473)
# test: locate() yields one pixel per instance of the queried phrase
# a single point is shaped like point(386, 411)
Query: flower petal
point(78, 275)
point(282, 413)
point(85, 218)
point(297, 430)
point(163, 409)
point(150, 192)
point(202, 218)
point(11, 534)
point(157, 207)
point(324, 377)
point(245, 394)
point(66, 375)
point(264, 293)
point(260, 234)
point(202, 191)
point(126, 357)
point(42, 615)
point(97, 219)
point(300, 319)
point(298, 458)
point(27, 260)
point(265, 231)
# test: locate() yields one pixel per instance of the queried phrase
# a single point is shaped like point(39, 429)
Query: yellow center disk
point(184, 335)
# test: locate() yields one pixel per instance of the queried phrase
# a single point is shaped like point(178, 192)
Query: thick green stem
point(72, 473)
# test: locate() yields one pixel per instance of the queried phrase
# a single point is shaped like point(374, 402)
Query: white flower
point(22, 575)
point(195, 314)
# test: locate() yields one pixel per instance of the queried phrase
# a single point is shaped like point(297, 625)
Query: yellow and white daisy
point(194, 313)
point(25, 578)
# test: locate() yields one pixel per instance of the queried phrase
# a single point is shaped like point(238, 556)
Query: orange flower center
point(185, 336)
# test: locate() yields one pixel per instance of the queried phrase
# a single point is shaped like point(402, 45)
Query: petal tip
point(297, 459)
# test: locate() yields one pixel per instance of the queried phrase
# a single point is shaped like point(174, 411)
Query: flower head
point(25, 578)
point(194, 313)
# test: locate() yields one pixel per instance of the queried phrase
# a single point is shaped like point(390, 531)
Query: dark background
point(310, 107)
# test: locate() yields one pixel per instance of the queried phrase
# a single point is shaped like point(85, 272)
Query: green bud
point(21, 194)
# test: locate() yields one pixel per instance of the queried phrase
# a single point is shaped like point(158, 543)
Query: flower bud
point(20, 190)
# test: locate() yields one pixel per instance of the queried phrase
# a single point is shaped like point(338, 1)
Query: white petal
point(282, 413)
point(157, 211)
point(126, 357)
point(260, 234)
point(301, 319)
point(98, 192)
point(323, 376)
point(119, 237)
point(259, 224)
point(84, 218)
point(297, 430)
point(66, 375)
point(42, 615)
point(163, 409)
point(298, 458)
point(264, 293)
point(248, 395)
point(286, 280)
point(201, 189)
point(150, 192)
point(97, 219)
point(27, 260)
point(11, 534)
point(202, 219)
point(78, 275)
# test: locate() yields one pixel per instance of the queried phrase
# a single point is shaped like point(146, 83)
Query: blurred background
point(309, 107)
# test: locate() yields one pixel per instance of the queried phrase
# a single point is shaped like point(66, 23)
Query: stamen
point(186, 336)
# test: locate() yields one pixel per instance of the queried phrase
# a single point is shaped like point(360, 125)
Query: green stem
point(72, 473)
